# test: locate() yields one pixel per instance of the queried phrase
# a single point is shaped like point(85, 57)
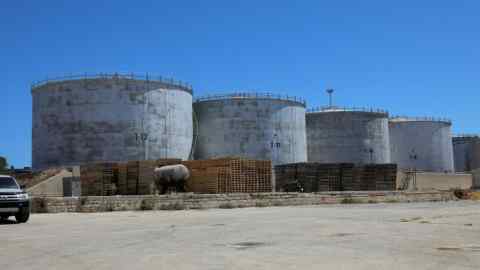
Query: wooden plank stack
point(229, 175)
point(377, 176)
point(320, 177)
point(98, 179)
point(286, 177)
point(128, 178)
point(204, 176)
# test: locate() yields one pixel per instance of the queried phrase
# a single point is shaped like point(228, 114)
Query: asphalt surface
point(443, 235)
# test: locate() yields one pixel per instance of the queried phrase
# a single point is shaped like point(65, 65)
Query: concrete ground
point(443, 235)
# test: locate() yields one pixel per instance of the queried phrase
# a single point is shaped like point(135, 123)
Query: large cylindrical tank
point(255, 126)
point(421, 143)
point(110, 118)
point(466, 151)
point(338, 135)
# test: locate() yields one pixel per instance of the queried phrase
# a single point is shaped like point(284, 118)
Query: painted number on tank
point(141, 137)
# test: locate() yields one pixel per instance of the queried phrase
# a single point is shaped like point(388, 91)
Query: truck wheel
point(23, 215)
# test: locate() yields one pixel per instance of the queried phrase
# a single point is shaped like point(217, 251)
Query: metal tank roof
point(328, 109)
point(252, 95)
point(167, 82)
point(420, 119)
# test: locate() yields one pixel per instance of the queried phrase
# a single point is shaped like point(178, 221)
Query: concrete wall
point(436, 181)
point(109, 119)
point(206, 201)
point(424, 145)
point(72, 187)
point(476, 179)
point(53, 186)
point(466, 151)
point(251, 127)
point(336, 136)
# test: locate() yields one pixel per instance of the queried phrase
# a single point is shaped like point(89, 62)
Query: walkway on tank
point(374, 236)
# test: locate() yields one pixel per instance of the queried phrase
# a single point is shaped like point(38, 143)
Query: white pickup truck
point(14, 201)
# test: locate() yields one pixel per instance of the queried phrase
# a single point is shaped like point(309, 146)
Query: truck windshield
point(8, 182)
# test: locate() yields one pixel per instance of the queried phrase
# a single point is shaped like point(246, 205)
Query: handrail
point(420, 118)
point(251, 95)
point(346, 109)
point(130, 76)
point(466, 136)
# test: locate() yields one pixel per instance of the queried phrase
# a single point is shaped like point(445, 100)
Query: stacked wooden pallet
point(286, 177)
point(318, 177)
point(140, 175)
point(378, 177)
point(229, 175)
point(349, 181)
point(307, 175)
point(128, 178)
point(99, 179)
point(386, 177)
point(312, 177)
point(204, 176)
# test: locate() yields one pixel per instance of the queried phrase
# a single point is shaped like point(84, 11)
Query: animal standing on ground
point(171, 176)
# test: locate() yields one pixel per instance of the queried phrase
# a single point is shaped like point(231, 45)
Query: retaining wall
point(437, 181)
point(476, 179)
point(53, 186)
point(237, 200)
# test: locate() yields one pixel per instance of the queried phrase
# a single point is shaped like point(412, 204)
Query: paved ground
point(376, 236)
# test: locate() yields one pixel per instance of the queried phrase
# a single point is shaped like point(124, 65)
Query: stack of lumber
point(320, 177)
point(377, 176)
point(98, 179)
point(229, 175)
point(313, 177)
point(137, 177)
point(127, 178)
point(286, 177)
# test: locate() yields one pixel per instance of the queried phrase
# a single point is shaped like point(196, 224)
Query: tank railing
point(347, 109)
point(421, 118)
point(252, 95)
point(466, 135)
point(130, 76)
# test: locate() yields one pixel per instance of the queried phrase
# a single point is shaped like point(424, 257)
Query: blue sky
point(409, 57)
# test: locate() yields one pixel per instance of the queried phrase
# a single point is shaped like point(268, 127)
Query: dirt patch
point(465, 248)
point(410, 219)
point(248, 245)
point(342, 234)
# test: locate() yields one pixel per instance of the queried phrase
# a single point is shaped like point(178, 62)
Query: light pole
point(413, 158)
point(330, 97)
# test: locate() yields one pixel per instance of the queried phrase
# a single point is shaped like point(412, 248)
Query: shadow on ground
point(7, 222)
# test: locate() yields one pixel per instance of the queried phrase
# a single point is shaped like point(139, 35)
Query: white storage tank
point(466, 149)
point(112, 117)
point(251, 125)
point(348, 135)
point(423, 144)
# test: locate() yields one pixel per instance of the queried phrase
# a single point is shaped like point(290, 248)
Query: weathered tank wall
point(421, 144)
point(250, 127)
point(336, 136)
point(109, 119)
point(466, 151)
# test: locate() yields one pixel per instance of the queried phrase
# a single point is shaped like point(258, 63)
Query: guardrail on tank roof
point(420, 119)
point(346, 109)
point(130, 76)
point(241, 95)
point(463, 135)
